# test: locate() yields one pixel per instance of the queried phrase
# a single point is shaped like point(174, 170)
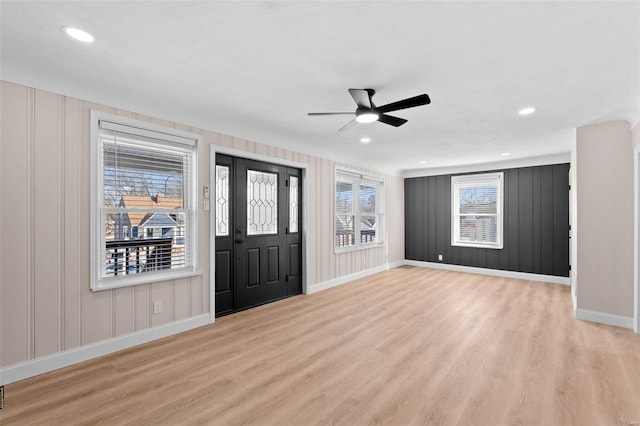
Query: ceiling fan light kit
point(368, 112)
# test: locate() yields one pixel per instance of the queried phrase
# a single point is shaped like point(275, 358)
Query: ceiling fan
point(367, 112)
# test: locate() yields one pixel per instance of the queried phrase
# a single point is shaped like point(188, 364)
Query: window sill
point(479, 245)
point(146, 278)
point(339, 250)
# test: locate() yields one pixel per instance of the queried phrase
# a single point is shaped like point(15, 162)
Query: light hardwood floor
point(407, 346)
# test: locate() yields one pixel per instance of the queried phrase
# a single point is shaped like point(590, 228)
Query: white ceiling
point(254, 69)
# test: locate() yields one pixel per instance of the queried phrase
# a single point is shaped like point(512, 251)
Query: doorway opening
point(258, 233)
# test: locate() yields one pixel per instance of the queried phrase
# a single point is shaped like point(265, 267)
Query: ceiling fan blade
point(362, 97)
point(391, 120)
point(348, 125)
point(330, 113)
point(405, 103)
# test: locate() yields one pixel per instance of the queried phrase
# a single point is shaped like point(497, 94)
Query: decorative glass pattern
point(262, 203)
point(222, 201)
point(293, 204)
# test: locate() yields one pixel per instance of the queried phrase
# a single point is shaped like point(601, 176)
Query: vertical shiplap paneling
point(512, 223)
point(525, 219)
point(561, 221)
point(46, 224)
point(72, 230)
point(97, 321)
point(142, 308)
point(547, 220)
point(537, 217)
point(15, 182)
point(123, 311)
point(535, 222)
point(47, 204)
point(181, 299)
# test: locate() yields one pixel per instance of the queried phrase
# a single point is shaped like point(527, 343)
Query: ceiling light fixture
point(78, 34)
point(423, 162)
point(505, 154)
point(365, 140)
point(526, 111)
point(367, 116)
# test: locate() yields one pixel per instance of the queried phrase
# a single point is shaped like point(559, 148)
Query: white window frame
point(357, 178)
point(483, 178)
point(172, 137)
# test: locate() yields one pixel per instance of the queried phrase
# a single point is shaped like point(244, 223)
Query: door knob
point(239, 241)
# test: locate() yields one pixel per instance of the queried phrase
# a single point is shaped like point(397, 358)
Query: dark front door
point(258, 242)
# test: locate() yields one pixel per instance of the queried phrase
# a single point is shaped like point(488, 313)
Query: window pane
point(367, 199)
point(161, 244)
point(368, 229)
point(480, 199)
point(345, 230)
point(480, 229)
point(344, 197)
point(142, 171)
point(293, 204)
point(222, 200)
point(262, 203)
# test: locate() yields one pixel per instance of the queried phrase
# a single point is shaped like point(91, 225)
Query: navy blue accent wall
point(536, 222)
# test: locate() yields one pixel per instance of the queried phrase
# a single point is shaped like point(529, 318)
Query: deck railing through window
point(139, 255)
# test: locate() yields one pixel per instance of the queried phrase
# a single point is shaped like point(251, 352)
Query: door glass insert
point(222, 201)
point(262, 203)
point(293, 204)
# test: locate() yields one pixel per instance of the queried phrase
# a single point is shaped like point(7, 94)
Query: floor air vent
point(1, 397)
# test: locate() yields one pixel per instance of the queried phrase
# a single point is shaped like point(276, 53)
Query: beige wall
point(46, 305)
point(604, 214)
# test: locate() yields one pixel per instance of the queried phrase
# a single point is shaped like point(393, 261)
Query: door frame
point(636, 238)
point(217, 149)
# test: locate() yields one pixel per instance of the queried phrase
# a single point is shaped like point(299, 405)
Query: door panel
point(261, 232)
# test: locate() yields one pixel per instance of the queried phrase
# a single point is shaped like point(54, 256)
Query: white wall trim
point(603, 318)
point(47, 363)
point(494, 272)
point(314, 288)
point(636, 239)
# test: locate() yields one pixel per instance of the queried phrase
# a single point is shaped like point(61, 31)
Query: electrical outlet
point(440, 257)
point(157, 307)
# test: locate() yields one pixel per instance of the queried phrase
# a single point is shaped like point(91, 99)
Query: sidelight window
point(477, 210)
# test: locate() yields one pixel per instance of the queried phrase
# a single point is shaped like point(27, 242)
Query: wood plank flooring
point(410, 346)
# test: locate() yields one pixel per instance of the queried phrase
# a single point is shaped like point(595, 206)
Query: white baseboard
point(604, 318)
point(314, 288)
point(44, 364)
point(493, 272)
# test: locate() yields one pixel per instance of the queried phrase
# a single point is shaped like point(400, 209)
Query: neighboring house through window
point(477, 210)
point(359, 210)
point(144, 212)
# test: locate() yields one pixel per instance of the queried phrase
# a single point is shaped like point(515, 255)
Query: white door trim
point(217, 149)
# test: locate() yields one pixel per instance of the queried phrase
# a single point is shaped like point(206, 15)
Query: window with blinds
point(477, 206)
point(358, 210)
point(145, 211)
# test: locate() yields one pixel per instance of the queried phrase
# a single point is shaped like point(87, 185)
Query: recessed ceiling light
point(505, 154)
point(365, 140)
point(423, 162)
point(526, 111)
point(78, 34)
